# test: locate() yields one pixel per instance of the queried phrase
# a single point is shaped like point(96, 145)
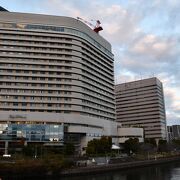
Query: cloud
point(149, 44)
point(116, 20)
point(114, 17)
point(151, 54)
point(172, 98)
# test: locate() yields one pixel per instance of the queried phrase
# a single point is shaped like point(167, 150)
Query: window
point(15, 97)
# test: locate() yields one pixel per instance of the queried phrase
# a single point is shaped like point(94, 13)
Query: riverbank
point(38, 170)
point(117, 166)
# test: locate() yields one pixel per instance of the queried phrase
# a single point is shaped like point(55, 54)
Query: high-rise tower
point(141, 103)
point(55, 73)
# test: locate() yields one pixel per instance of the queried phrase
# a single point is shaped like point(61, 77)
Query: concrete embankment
point(118, 166)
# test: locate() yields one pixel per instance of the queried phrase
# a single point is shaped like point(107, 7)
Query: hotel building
point(56, 81)
point(141, 104)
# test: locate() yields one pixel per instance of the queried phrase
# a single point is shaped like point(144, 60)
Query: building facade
point(56, 80)
point(125, 133)
point(141, 104)
point(173, 132)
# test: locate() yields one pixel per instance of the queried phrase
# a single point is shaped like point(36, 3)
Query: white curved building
point(56, 80)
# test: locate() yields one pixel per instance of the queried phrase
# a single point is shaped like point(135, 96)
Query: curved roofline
point(54, 20)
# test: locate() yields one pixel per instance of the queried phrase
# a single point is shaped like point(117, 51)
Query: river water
point(170, 171)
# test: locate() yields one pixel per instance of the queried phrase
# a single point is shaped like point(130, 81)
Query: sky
point(145, 37)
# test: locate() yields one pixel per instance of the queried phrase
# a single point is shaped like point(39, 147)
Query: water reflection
point(175, 173)
point(170, 171)
point(160, 172)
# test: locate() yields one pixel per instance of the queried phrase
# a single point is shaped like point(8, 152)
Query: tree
point(162, 146)
point(150, 141)
point(132, 144)
point(69, 149)
point(99, 146)
point(28, 150)
point(175, 144)
point(149, 146)
point(92, 147)
point(104, 145)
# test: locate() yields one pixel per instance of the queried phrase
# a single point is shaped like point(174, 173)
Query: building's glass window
point(32, 132)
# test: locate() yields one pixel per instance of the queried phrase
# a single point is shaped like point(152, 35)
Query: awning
point(115, 147)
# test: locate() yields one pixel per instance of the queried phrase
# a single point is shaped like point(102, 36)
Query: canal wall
point(118, 166)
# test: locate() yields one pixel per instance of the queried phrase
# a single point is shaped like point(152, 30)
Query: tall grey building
point(56, 78)
point(141, 103)
point(173, 132)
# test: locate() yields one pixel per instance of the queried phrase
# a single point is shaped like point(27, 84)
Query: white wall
point(132, 132)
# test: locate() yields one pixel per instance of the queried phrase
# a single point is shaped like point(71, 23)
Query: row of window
point(32, 91)
point(97, 111)
point(54, 49)
point(99, 54)
point(10, 97)
point(98, 95)
point(4, 104)
point(122, 90)
point(148, 118)
point(13, 43)
point(139, 111)
point(97, 100)
point(53, 92)
point(34, 71)
point(38, 37)
point(96, 64)
point(53, 28)
point(141, 114)
point(38, 53)
point(92, 71)
point(130, 136)
point(97, 105)
point(91, 83)
point(35, 110)
point(42, 62)
point(130, 107)
point(97, 116)
point(41, 66)
point(19, 48)
point(95, 90)
point(59, 111)
point(135, 93)
point(140, 100)
point(32, 132)
point(88, 63)
point(140, 95)
point(96, 79)
point(32, 85)
point(99, 60)
point(32, 78)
